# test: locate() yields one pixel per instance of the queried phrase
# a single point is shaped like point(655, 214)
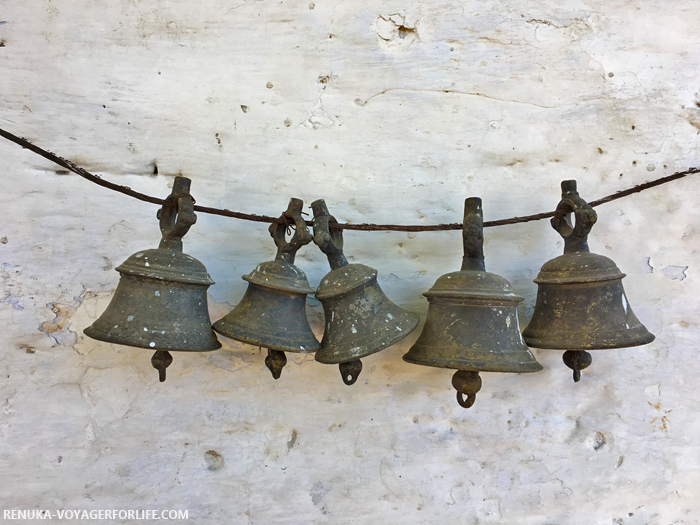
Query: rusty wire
point(342, 226)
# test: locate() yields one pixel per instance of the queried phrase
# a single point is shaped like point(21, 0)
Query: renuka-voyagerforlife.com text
point(35, 514)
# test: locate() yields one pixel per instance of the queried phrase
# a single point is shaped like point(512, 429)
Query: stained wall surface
point(393, 112)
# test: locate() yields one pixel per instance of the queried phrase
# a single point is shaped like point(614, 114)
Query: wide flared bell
point(272, 313)
point(360, 318)
point(472, 322)
point(161, 300)
point(581, 304)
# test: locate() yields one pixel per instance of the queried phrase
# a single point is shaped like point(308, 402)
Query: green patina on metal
point(360, 318)
point(161, 300)
point(472, 322)
point(581, 304)
point(272, 313)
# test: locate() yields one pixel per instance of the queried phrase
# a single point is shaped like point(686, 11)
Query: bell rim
point(310, 349)
point(553, 345)
point(412, 320)
point(92, 333)
point(532, 366)
point(524, 366)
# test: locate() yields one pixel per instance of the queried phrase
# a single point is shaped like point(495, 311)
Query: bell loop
point(466, 383)
point(177, 215)
point(329, 241)
point(286, 250)
point(575, 235)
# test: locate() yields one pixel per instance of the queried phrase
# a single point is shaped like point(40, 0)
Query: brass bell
point(272, 313)
point(161, 300)
point(581, 304)
point(472, 322)
point(360, 319)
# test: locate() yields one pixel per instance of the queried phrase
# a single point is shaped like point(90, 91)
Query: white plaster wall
point(260, 101)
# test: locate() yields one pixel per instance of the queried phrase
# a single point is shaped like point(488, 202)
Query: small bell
point(360, 319)
point(581, 304)
point(161, 300)
point(272, 313)
point(472, 322)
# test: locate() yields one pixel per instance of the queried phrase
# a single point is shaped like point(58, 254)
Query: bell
point(581, 304)
point(360, 319)
point(272, 313)
point(472, 322)
point(161, 300)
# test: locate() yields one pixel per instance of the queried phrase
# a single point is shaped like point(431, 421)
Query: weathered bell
point(161, 300)
point(581, 304)
point(472, 322)
point(272, 313)
point(360, 319)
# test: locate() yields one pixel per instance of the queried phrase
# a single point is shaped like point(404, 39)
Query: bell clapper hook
point(577, 360)
point(160, 361)
point(467, 383)
point(350, 371)
point(276, 360)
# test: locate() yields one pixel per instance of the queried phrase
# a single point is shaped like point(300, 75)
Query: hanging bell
point(360, 319)
point(272, 313)
point(472, 322)
point(581, 304)
point(161, 300)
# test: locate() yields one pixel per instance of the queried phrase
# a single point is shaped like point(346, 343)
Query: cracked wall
point(392, 113)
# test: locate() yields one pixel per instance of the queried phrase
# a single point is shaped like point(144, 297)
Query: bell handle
point(575, 235)
point(286, 251)
point(177, 215)
point(329, 241)
point(473, 235)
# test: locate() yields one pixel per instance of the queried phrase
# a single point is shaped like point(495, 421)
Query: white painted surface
point(392, 112)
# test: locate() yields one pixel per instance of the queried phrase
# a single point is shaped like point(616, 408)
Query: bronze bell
point(472, 322)
point(581, 304)
point(161, 300)
point(272, 313)
point(360, 319)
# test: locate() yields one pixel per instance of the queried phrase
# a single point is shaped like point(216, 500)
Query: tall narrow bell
point(360, 319)
point(161, 300)
point(272, 313)
point(472, 322)
point(581, 304)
